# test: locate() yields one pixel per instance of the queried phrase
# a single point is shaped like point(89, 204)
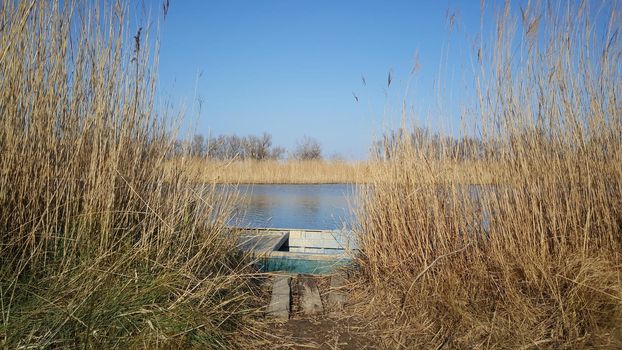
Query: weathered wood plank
point(280, 302)
point(337, 297)
point(310, 301)
point(262, 242)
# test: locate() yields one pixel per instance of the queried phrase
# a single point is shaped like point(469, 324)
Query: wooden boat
point(298, 250)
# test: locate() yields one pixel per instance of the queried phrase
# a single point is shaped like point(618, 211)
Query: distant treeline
point(433, 144)
point(251, 147)
point(436, 146)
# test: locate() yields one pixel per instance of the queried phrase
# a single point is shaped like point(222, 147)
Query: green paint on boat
point(297, 265)
point(299, 251)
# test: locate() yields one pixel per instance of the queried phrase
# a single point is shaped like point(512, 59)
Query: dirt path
point(312, 326)
point(322, 334)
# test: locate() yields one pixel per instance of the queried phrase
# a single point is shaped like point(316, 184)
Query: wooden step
point(310, 301)
point(337, 296)
point(307, 296)
point(281, 295)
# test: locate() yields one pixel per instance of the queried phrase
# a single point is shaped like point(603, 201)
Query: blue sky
point(290, 68)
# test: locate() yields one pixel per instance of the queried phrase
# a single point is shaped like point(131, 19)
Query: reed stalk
point(97, 248)
point(534, 260)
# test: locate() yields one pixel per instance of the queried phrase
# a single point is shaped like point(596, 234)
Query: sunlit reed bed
point(321, 172)
point(97, 248)
point(278, 172)
point(546, 270)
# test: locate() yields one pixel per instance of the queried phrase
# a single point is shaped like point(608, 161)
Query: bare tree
point(257, 148)
point(307, 149)
point(277, 153)
point(227, 147)
point(433, 144)
point(197, 146)
point(233, 147)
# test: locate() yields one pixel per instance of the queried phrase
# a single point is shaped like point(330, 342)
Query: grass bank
point(97, 250)
point(537, 262)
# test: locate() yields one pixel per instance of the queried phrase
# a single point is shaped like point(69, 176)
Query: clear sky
point(291, 67)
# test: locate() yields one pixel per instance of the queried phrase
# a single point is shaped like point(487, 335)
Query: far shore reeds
point(318, 171)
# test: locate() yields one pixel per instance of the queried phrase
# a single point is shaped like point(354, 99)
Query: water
point(319, 207)
point(313, 207)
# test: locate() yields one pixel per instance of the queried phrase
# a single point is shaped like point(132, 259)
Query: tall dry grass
point(97, 250)
point(535, 260)
point(316, 171)
point(278, 172)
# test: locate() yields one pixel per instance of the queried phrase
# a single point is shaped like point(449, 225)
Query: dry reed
point(97, 250)
point(279, 172)
point(533, 261)
point(316, 171)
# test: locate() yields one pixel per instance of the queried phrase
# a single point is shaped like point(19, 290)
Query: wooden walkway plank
point(262, 242)
point(279, 304)
point(310, 301)
point(337, 297)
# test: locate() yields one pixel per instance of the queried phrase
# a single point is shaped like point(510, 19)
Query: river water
point(322, 206)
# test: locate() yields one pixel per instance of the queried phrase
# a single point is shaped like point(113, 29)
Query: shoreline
point(321, 172)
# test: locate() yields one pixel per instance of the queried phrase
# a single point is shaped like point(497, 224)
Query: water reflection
point(329, 206)
point(324, 206)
